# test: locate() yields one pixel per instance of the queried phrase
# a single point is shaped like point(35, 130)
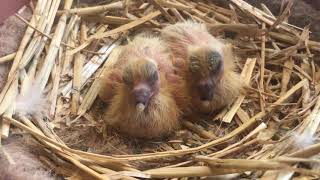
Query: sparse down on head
point(205, 62)
point(141, 102)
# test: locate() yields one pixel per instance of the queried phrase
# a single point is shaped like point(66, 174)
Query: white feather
point(31, 102)
point(303, 140)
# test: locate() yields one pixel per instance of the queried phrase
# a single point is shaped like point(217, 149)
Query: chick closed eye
point(194, 64)
point(127, 76)
point(151, 73)
point(154, 77)
point(193, 59)
point(214, 61)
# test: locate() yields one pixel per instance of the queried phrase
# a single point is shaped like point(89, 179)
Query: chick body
point(205, 63)
point(141, 90)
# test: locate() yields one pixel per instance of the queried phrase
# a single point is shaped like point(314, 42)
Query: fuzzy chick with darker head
point(206, 64)
point(206, 67)
point(140, 91)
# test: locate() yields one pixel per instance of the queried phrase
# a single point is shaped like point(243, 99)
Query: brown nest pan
point(271, 132)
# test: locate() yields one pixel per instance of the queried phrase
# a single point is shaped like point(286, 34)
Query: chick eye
point(214, 60)
point(127, 77)
point(151, 72)
point(193, 58)
point(194, 64)
point(154, 77)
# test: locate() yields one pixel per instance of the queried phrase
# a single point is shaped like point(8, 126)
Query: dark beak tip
point(141, 102)
point(206, 91)
point(206, 97)
point(142, 98)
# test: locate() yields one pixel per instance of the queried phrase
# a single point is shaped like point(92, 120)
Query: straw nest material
point(271, 132)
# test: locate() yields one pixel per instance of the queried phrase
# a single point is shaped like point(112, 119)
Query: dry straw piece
point(271, 131)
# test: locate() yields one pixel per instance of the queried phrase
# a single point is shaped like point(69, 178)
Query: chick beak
point(206, 92)
point(141, 95)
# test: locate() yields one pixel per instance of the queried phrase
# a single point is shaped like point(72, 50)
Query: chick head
point(141, 77)
point(205, 66)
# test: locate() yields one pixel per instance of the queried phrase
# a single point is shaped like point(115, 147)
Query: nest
point(272, 131)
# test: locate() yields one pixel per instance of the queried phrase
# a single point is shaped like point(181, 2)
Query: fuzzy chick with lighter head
point(142, 90)
point(206, 64)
